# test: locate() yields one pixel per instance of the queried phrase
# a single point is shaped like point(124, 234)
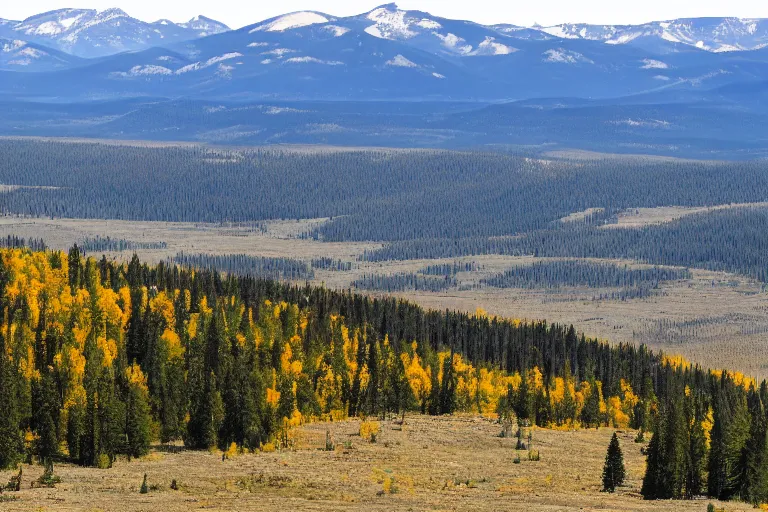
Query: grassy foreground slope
point(439, 464)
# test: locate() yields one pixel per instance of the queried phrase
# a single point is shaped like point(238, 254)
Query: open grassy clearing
point(641, 217)
point(436, 463)
point(716, 319)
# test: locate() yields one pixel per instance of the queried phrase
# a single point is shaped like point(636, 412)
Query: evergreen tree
point(11, 443)
point(448, 387)
point(590, 413)
point(651, 488)
point(613, 470)
point(47, 445)
point(137, 415)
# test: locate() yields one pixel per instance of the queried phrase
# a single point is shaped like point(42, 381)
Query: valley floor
point(436, 464)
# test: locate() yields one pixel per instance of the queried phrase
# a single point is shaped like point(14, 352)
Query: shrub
point(103, 461)
point(144, 487)
point(369, 430)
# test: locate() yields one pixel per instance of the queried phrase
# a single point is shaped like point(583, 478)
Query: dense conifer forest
point(733, 240)
point(381, 195)
point(242, 264)
point(105, 358)
point(580, 273)
point(476, 202)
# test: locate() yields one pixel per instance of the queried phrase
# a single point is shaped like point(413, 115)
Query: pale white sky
point(238, 13)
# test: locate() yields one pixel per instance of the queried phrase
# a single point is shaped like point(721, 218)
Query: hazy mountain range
point(709, 69)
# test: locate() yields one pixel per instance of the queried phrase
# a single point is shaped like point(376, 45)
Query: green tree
point(47, 445)
point(613, 470)
point(137, 417)
point(11, 443)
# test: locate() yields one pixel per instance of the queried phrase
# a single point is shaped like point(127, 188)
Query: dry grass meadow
point(429, 464)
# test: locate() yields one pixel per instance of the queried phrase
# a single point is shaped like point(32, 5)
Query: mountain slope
point(18, 55)
point(711, 34)
point(91, 33)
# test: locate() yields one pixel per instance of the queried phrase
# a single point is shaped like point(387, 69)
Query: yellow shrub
point(231, 452)
point(268, 447)
point(369, 430)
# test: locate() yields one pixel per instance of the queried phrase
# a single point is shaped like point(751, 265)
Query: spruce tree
point(11, 442)
point(590, 413)
point(613, 470)
point(47, 444)
point(652, 478)
point(137, 417)
point(448, 387)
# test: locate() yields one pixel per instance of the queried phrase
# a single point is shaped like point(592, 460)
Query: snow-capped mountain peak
point(710, 34)
point(94, 33)
point(291, 21)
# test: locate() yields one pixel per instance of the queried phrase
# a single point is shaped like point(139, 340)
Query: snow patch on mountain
point(490, 47)
point(389, 24)
point(279, 52)
point(312, 60)
point(336, 30)
point(454, 42)
point(196, 66)
point(291, 21)
point(562, 56)
point(642, 123)
point(401, 62)
point(148, 70)
point(559, 31)
point(654, 64)
point(429, 24)
point(13, 45)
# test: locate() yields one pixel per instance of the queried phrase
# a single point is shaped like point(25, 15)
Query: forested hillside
point(105, 358)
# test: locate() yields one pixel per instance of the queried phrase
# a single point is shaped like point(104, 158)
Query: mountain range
point(89, 33)
point(710, 70)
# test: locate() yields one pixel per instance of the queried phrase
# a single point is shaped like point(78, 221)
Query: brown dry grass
point(438, 464)
point(641, 217)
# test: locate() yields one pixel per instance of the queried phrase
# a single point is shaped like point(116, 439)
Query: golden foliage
point(369, 429)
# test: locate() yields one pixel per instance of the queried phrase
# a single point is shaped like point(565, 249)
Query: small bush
point(48, 478)
point(369, 430)
point(174, 485)
point(640, 438)
point(268, 447)
point(144, 487)
point(231, 452)
point(516, 460)
point(533, 455)
point(104, 462)
point(14, 484)
point(329, 444)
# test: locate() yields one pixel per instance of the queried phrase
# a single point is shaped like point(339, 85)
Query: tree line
point(549, 274)
point(99, 244)
point(243, 264)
